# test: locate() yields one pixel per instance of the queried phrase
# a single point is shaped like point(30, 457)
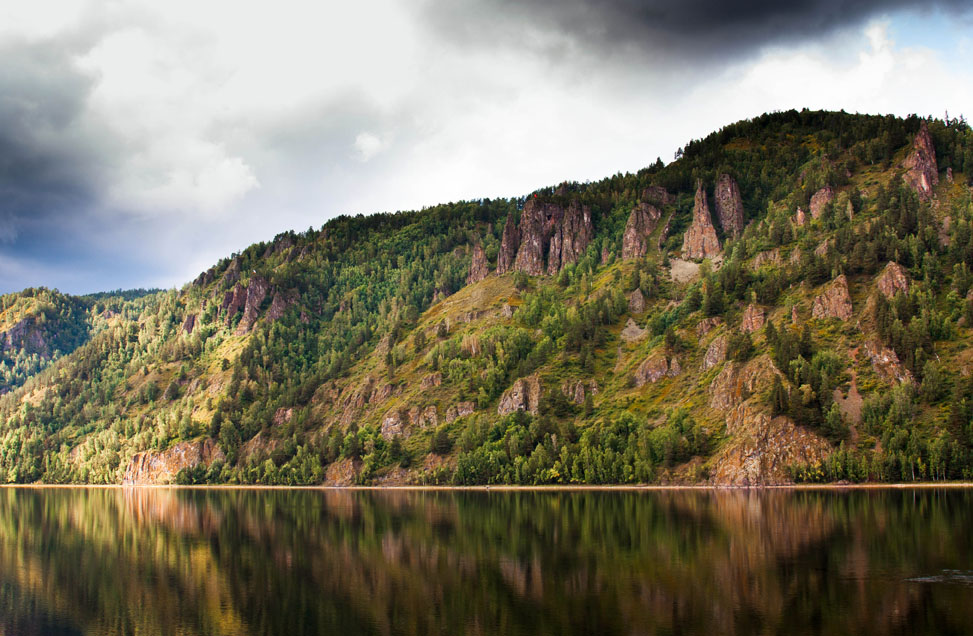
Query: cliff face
point(729, 205)
point(922, 172)
point(641, 223)
point(150, 467)
point(548, 238)
point(478, 266)
point(821, 198)
point(700, 240)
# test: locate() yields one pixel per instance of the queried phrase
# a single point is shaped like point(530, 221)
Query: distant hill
point(788, 300)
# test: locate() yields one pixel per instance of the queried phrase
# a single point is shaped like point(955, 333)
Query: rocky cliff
point(700, 240)
point(478, 265)
point(922, 172)
point(641, 223)
point(161, 467)
point(549, 237)
point(729, 205)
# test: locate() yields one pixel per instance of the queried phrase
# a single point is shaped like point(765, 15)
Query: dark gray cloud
point(660, 30)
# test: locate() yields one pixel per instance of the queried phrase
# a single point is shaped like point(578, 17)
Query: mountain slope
point(788, 300)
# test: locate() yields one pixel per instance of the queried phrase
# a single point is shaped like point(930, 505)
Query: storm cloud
point(141, 142)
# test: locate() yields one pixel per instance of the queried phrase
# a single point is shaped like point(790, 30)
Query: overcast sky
point(142, 141)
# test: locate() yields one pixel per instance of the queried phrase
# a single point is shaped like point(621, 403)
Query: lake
point(196, 561)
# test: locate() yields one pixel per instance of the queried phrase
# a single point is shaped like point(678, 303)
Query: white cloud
point(367, 145)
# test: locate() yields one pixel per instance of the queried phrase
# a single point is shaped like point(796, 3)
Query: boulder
point(729, 205)
point(820, 199)
point(700, 240)
point(392, 424)
point(922, 172)
point(524, 395)
point(893, 280)
point(834, 302)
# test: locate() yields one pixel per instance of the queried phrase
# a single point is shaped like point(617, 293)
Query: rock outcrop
point(256, 292)
point(281, 302)
point(922, 172)
point(548, 238)
point(819, 200)
point(524, 395)
point(658, 195)
point(578, 390)
point(458, 410)
point(729, 205)
point(716, 352)
point(700, 240)
point(150, 467)
point(641, 223)
point(636, 302)
point(189, 323)
point(886, 362)
point(893, 280)
point(656, 367)
point(707, 324)
point(834, 302)
point(478, 265)
point(753, 319)
point(770, 257)
point(799, 217)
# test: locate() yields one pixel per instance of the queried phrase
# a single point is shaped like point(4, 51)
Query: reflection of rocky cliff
point(249, 562)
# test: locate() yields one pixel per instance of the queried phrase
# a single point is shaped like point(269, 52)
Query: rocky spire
point(548, 238)
point(478, 265)
point(729, 205)
point(922, 173)
point(508, 246)
point(700, 240)
point(570, 238)
point(641, 223)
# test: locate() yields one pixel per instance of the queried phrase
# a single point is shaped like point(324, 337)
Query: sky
point(142, 141)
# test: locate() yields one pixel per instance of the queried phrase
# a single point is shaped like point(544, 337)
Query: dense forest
point(828, 339)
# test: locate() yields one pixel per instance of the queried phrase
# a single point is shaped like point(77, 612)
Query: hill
point(788, 300)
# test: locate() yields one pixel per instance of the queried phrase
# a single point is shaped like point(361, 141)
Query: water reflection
point(160, 561)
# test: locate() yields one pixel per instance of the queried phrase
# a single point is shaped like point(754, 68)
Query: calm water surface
point(161, 561)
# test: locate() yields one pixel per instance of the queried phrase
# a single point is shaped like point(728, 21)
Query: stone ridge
point(548, 238)
point(700, 240)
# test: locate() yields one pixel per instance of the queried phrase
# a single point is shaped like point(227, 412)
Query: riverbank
point(518, 488)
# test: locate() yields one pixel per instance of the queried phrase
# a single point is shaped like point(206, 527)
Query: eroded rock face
point(189, 323)
point(761, 449)
point(458, 410)
point(478, 265)
point(893, 280)
point(431, 380)
point(716, 352)
point(700, 240)
point(392, 424)
point(548, 238)
point(800, 218)
point(25, 334)
point(735, 383)
point(233, 301)
point(577, 390)
point(708, 324)
point(281, 302)
point(524, 395)
point(729, 205)
point(834, 302)
point(656, 367)
point(819, 200)
point(658, 195)
point(753, 319)
point(886, 363)
point(770, 257)
point(255, 294)
point(636, 302)
point(641, 223)
point(149, 467)
point(922, 172)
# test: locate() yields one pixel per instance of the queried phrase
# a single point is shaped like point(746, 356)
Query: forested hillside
point(788, 300)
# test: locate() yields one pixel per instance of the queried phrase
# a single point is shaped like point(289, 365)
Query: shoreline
point(516, 488)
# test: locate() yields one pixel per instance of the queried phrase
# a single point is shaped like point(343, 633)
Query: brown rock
point(149, 467)
point(834, 302)
point(729, 205)
point(524, 395)
point(256, 291)
point(893, 280)
point(548, 230)
point(770, 257)
point(605, 255)
point(641, 223)
point(822, 249)
point(570, 237)
point(799, 217)
point(707, 324)
point(735, 383)
point(509, 244)
point(507, 311)
point(922, 172)
point(656, 367)
point(819, 200)
point(431, 380)
point(658, 195)
point(886, 363)
point(478, 265)
point(636, 302)
point(430, 416)
point(189, 323)
point(753, 319)
point(280, 304)
point(233, 300)
point(716, 352)
point(700, 240)
point(392, 424)
point(461, 409)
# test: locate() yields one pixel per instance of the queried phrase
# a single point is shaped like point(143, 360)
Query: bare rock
point(432, 380)
point(458, 410)
point(392, 424)
point(700, 240)
point(570, 238)
point(233, 300)
point(658, 195)
point(430, 417)
point(641, 223)
point(283, 300)
point(893, 280)
point(632, 332)
point(256, 291)
point(656, 367)
point(735, 383)
point(834, 302)
point(949, 175)
point(820, 199)
point(548, 238)
point(524, 395)
point(578, 390)
point(150, 467)
point(729, 205)
point(922, 172)
point(770, 257)
point(800, 218)
point(507, 311)
point(708, 324)
point(509, 244)
point(753, 319)
point(478, 265)
point(822, 248)
point(886, 362)
point(716, 352)
point(636, 302)
point(189, 323)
